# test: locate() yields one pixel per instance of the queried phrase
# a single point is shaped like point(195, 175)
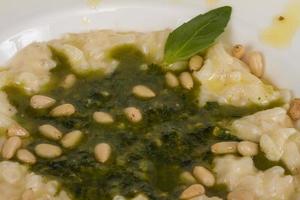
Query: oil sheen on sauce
point(282, 30)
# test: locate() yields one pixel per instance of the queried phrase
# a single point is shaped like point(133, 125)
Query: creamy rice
point(227, 80)
point(15, 180)
point(239, 173)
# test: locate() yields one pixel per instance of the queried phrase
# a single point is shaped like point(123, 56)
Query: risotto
point(171, 114)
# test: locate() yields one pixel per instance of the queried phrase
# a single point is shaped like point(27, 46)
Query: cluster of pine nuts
point(102, 151)
point(44, 102)
point(253, 59)
point(12, 146)
point(16, 133)
point(67, 141)
point(200, 178)
point(185, 79)
point(244, 148)
point(133, 114)
point(255, 62)
point(197, 180)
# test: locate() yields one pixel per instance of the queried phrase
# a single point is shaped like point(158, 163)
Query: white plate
point(23, 22)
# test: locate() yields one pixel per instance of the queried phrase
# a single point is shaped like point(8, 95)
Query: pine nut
point(238, 51)
point(186, 80)
point(41, 102)
point(63, 110)
point(256, 63)
point(195, 63)
point(187, 178)
point(143, 92)
point(241, 195)
point(192, 191)
point(26, 156)
point(224, 147)
point(10, 147)
point(204, 176)
point(50, 132)
point(133, 114)
point(17, 130)
point(28, 195)
point(102, 152)
point(69, 81)
point(171, 80)
point(246, 148)
point(48, 151)
point(103, 118)
point(70, 140)
point(294, 111)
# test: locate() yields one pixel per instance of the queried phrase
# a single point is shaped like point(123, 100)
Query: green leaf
point(196, 35)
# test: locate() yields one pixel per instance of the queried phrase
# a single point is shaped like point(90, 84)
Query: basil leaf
point(196, 35)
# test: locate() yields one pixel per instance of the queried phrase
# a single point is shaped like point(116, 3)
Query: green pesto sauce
point(148, 157)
